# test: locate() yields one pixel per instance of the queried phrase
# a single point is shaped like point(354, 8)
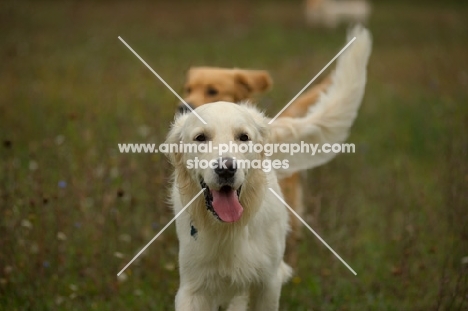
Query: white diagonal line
point(162, 80)
point(312, 230)
point(162, 230)
point(313, 79)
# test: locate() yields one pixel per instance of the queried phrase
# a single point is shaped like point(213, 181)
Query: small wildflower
point(59, 300)
point(46, 264)
point(61, 236)
point(118, 255)
point(33, 165)
point(114, 172)
point(122, 278)
point(125, 238)
point(59, 140)
point(62, 184)
point(137, 292)
point(26, 223)
point(144, 131)
point(296, 280)
point(464, 260)
point(73, 287)
point(34, 248)
point(170, 266)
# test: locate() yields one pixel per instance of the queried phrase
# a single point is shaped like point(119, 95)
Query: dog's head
point(210, 84)
point(233, 190)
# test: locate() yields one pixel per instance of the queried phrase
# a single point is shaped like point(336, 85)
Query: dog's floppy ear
point(175, 137)
point(255, 81)
point(260, 121)
point(190, 71)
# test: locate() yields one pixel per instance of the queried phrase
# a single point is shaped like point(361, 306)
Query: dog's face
point(209, 84)
point(232, 189)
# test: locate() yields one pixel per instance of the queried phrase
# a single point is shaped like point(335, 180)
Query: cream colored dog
point(205, 85)
point(232, 239)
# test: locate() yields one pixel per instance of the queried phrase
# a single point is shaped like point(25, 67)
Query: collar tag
point(193, 232)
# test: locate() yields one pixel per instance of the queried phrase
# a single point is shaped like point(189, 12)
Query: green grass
point(73, 211)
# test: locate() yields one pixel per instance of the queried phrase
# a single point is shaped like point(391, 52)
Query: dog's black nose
point(182, 108)
point(226, 167)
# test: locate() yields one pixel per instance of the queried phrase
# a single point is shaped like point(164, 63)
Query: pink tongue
point(226, 205)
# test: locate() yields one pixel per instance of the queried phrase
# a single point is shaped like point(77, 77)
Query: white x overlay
point(313, 79)
point(312, 230)
point(162, 230)
point(203, 121)
point(162, 80)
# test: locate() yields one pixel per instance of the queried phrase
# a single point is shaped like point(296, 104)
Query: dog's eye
point(211, 91)
point(200, 137)
point(188, 90)
point(244, 137)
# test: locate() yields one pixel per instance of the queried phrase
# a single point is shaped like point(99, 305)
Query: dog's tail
point(329, 121)
point(302, 104)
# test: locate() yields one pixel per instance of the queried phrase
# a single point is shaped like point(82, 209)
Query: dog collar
point(193, 231)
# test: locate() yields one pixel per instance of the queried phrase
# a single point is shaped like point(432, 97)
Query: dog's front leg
point(266, 296)
point(239, 303)
point(186, 300)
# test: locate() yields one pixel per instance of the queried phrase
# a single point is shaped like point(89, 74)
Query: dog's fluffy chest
point(237, 259)
point(227, 262)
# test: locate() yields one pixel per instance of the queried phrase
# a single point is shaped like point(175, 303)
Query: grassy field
point(74, 211)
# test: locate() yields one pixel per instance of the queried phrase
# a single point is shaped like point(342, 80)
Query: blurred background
point(74, 211)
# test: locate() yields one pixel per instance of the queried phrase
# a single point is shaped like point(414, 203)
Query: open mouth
point(223, 203)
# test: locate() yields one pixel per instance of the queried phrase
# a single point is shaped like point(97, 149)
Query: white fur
point(331, 118)
point(330, 13)
point(229, 264)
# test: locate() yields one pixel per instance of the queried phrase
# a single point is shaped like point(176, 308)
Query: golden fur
point(210, 84)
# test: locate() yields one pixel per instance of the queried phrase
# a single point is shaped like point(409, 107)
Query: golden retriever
point(232, 239)
point(210, 84)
